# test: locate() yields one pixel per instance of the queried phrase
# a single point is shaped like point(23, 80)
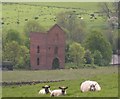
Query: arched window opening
point(38, 49)
point(38, 61)
point(57, 36)
point(55, 63)
point(56, 50)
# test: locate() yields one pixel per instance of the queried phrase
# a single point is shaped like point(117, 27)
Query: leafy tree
point(13, 35)
point(109, 9)
point(13, 49)
point(68, 57)
point(88, 57)
point(118, 42)
point(73, 26)
point(97, 58)
point(118, 39)
point(32, 26)
point(23, 61)
point(96, 41)
point(77, 52)
point(18, 54)
point(11, 52)
point(112, 37)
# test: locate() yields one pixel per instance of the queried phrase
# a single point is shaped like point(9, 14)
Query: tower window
point(38, 49)
point(56, 50)
point(49, 48)
point(57, 36)
point(38, 61)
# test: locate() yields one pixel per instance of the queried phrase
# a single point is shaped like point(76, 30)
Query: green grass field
point(107, 77)
point(46, 13)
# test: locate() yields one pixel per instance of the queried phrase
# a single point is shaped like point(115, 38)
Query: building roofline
point(45, 33)
point(38, 32)
point(55, 26)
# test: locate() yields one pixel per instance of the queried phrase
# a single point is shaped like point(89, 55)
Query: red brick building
point(47, 50)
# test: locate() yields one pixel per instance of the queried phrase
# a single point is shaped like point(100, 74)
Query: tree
point(88, 57)
point(11, 52)
point(23, 61)
point(13, 35)
point(109, 9)
point(96, 41)
point(77, 52)
point(68, 57)
point(97, 58)
point(118, 15)
point(112, 37)
point(73, 26)
point(118, 42)
point(17, 54)
point(32, 26)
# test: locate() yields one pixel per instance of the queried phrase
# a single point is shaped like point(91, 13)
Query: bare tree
point(109, 9)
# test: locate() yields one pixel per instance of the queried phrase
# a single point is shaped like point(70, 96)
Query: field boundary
point(6, 83)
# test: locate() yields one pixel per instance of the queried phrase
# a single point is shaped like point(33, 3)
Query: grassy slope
point(106, 77)
point(13, 13)
point(82, 5)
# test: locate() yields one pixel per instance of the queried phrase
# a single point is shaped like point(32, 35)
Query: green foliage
point(96, 41)
point(18, 54)
point(75, 27)
point(80, 66)
point(92, 66)
point(67, 15)
point(77, 52)
point(112, 36)
point(32, 26)
point(24, 59)
point(11, 52)
point(68, 57)
point(97, 58)
point(13, 35)
point(108, 9)
point(27, 42)
point(118, 40)
point(88, 57)
point(14, 49)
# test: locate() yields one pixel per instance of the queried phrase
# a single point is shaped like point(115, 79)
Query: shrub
point(98, 58)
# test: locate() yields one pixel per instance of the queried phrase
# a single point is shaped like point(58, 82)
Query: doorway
point(55, 63)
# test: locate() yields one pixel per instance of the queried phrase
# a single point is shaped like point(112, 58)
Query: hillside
point(15, 15)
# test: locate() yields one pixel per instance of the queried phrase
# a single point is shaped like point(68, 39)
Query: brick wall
point(46, 43)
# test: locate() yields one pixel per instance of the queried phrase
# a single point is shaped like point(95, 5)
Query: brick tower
point(47, 50)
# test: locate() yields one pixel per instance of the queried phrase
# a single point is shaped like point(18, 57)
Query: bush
point(73, 66)
point(98, 58)
point(96, 41)
point(88, 57)
point(87, 66)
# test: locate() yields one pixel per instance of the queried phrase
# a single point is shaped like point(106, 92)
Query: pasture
point(107, 77)
point(15, 16)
